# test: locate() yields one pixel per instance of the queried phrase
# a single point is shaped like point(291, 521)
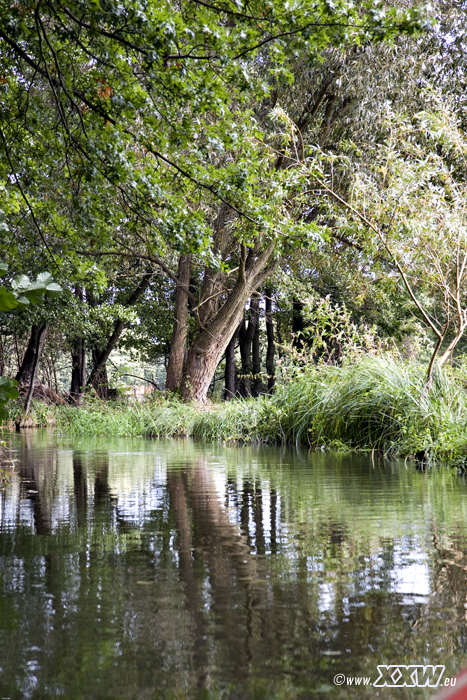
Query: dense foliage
point(226, 190)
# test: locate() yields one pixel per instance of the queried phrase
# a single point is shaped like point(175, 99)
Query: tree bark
point(180, 327)
point(78, 363)
point(37, 354)
point(208, 347)
point(271, 348)
point(230, 375)
point(257, 387)
point(246, 336)
point(98, 377)
point(78, 371)
point(34, 349)
point(297, 324)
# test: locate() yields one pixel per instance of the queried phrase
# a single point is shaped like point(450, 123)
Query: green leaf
point(8, 300)
point(21, 283)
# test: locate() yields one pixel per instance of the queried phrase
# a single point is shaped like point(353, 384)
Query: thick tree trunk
point(180, 327)
point(100, 379)
point(208, 347)
point(34, 348)
point(78, 371)
point(270, 352)
point(100, 355)
point(230, 375)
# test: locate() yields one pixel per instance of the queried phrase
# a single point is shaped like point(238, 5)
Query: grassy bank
point(376, 403)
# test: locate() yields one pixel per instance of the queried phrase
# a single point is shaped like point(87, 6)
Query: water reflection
point(135, 569)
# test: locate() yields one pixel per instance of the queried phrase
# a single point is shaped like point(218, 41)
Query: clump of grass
point(169, 418)
point(376, 403)
point(240, 420)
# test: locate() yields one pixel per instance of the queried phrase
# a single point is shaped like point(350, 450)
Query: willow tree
point(140, 115)
point(405, 203)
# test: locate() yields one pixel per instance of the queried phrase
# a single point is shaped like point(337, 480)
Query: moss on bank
point(376, 403)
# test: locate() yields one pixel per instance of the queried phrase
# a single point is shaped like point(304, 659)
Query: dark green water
point(138, 569)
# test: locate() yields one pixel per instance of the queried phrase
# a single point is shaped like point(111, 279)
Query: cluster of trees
point(190, 171)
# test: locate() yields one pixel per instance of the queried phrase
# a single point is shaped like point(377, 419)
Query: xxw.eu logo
point(409, 676)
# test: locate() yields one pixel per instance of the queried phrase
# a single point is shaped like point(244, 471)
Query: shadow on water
point(138, 569)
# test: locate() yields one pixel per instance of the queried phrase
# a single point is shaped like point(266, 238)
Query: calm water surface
point(154, 569)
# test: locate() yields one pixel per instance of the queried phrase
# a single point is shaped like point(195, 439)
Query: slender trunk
point(230, 367)
point(55, 375)
point(244, 386)
point(78, 362)
point(17, 353)
point(270, 352)
point(2, 357)
point(38, 352)
point(180, 327)
point(257, 387)
point(447, 353)
point(297, 324)
point(246, 336)
point(98, 376)
point(431, 366)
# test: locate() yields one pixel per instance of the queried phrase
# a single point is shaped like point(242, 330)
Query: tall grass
point(375, 403)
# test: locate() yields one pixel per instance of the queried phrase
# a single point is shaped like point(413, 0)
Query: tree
point(141, 116)
point(23, 292)
point(412, 202)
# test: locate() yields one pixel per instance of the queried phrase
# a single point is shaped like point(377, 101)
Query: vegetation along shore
point(373, 404)
point(236, 221)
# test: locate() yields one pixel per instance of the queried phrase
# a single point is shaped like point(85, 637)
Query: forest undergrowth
point(376, 403)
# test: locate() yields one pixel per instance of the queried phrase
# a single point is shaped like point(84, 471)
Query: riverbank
point(375, 404)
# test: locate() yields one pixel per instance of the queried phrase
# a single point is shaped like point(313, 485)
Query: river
point(145, 569)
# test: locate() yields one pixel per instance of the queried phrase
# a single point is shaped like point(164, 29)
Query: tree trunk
point(99, 378)
point(180, 327)
point(257, 387)
point(230, 375)
point(297, 324)
point(78, 371)
point(2, 357)
point(100, 355)
point(35, 345)
point(244, 385)
point(213, 337)
point(270, 352)
point(246, 336)
point(78, 363)
point(37, 354)
point(208, 347)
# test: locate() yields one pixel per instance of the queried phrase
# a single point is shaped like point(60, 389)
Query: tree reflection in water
point(161, 570)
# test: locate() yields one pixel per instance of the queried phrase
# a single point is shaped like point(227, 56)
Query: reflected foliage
point(167, 569)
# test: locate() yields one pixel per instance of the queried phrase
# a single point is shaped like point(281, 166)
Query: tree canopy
point(147, 141)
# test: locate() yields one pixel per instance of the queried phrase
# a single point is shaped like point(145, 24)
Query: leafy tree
point(141, 117)
point(22, 293)
point(410, 207)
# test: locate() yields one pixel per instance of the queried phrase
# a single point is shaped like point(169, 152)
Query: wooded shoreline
point(376, 403)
